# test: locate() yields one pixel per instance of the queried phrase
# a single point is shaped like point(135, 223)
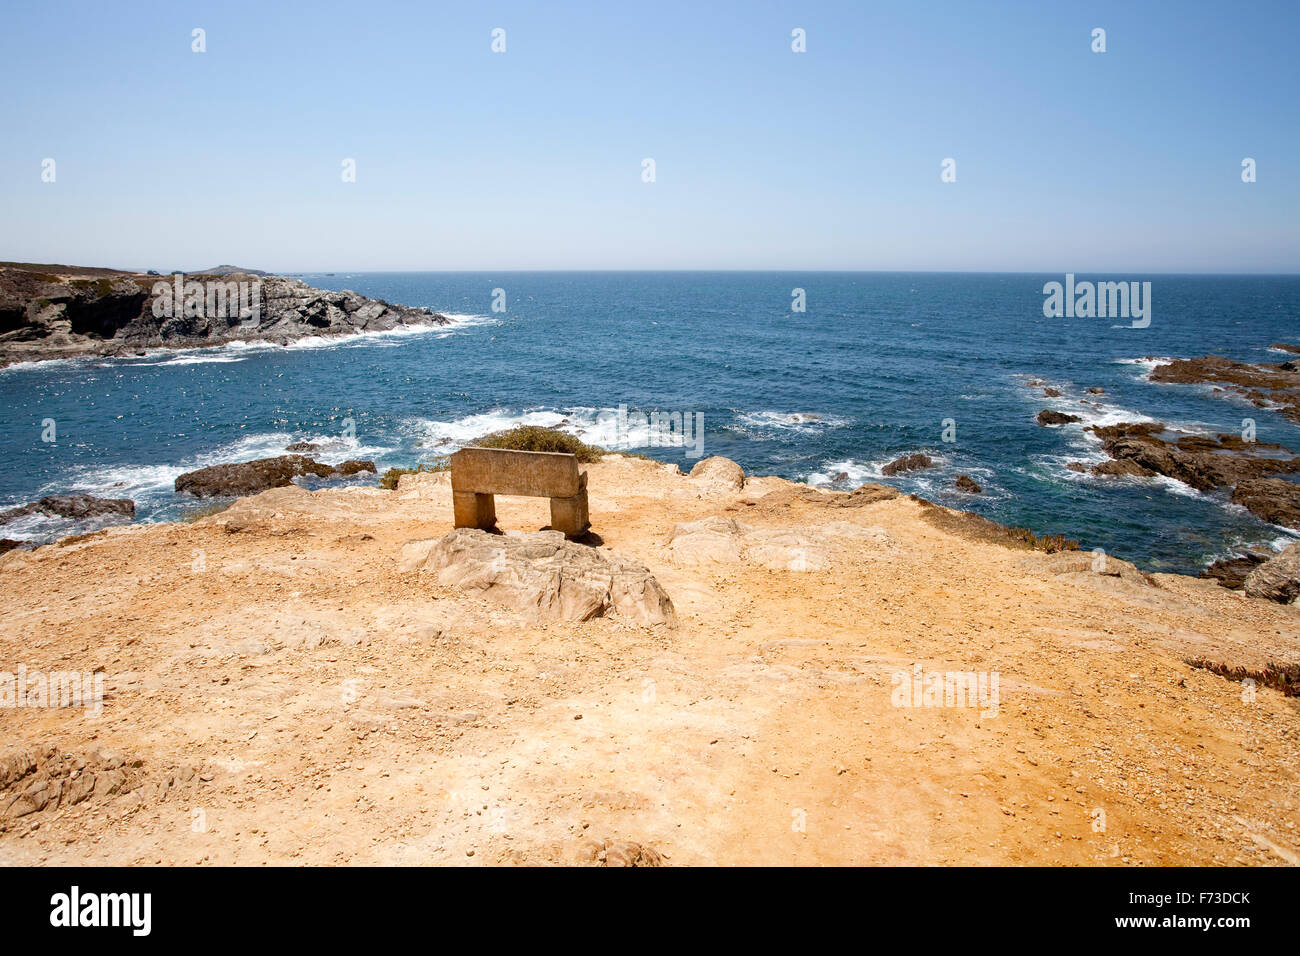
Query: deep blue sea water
point(870, 371)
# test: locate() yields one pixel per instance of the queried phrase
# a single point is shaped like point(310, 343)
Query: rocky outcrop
point(1049, 417)
point(866, 494)
point(44, 779)
point(968, 485)
point(49, 312)
point(1206, 463)
point(1232, 572)
point(544, 575)
point(250, 477)
point(1273, 499)
point(913, 462)
point(1201, 461)
point(718, 473)
point(1265, 385)
point(1084, 564)
point(1277, 579)
point(77, 507)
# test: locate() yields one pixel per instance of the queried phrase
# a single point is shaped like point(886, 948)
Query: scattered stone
point(842, 476)
point(620, 853)
point(913, 462)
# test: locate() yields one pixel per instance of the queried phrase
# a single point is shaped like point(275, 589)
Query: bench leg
point(474, 510)
point(570, 514)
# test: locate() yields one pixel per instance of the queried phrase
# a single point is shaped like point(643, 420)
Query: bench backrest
point(500, 471)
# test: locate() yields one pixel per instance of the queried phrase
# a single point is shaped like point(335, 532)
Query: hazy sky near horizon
point(1066, 160)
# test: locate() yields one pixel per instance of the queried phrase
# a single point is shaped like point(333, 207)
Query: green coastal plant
point(536, 438)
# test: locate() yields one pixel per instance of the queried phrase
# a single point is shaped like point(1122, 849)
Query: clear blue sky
point(1067, 160)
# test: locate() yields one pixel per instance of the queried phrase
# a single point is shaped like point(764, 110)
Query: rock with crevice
point(718, 473)
point(1277, 579)
point(1275, 500)
point(544, 575)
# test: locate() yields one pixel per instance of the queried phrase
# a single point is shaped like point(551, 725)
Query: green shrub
point(536, 438)
point(392, 475)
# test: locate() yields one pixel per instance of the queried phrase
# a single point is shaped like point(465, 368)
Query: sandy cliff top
point(271, 667)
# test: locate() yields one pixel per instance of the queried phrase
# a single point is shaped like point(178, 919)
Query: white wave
point(804, 423)
point(1176, 487)
point(47, 363)
point(144, 482)
point(1149, 363)
point(612, 428)
point(1284, 541)
point(237, 350)
point(859, 472)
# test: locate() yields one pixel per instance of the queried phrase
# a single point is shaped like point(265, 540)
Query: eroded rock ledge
point(1264, 385)
point(51, 312)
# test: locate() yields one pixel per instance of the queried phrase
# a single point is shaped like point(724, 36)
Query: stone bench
point(479, 473)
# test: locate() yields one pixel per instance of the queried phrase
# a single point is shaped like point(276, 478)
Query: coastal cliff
point(53, 311)
point(319, 671)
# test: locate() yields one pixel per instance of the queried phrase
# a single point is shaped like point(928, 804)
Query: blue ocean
point(875, 367)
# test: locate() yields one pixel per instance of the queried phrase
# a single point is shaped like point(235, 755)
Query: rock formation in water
point(250, 477)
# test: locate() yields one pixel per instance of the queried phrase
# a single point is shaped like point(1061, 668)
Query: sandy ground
point(278, 692)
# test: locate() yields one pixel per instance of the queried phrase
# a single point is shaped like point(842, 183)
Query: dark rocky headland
point(55, 311)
